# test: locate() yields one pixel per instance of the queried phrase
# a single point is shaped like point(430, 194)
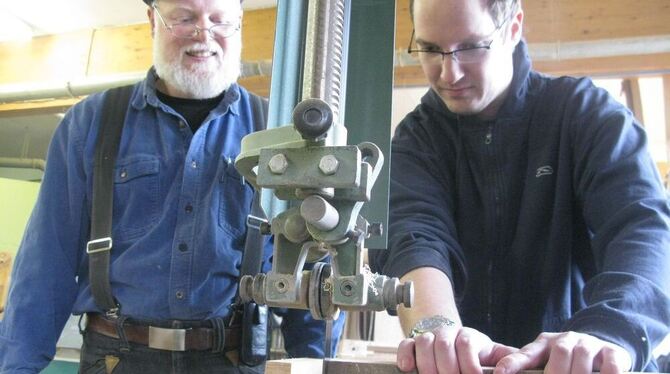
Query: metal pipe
point(25, 163)
point(52, 90)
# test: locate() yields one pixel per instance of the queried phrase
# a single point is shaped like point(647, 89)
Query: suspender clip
point(99, 245)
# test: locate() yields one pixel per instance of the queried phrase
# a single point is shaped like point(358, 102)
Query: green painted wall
point(17, 199)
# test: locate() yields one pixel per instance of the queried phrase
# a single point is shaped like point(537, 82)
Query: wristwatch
point(430, 324)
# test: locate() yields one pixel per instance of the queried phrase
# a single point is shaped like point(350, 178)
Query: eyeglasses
point(467, 55)
point(187, 30)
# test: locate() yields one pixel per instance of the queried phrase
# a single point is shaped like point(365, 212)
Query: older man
point(526, 209)
point(178, 217)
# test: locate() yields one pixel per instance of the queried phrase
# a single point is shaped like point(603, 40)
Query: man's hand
point(567, 352)
point(450, 349)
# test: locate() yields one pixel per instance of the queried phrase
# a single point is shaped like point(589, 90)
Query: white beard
point(199, 81)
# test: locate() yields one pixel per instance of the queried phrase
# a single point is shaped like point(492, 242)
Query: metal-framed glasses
point(467, 55)
point(188, 30)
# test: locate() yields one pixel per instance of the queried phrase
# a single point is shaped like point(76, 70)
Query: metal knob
point(312, 118)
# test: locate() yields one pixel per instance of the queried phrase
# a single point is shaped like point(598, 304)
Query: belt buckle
point(167, 339)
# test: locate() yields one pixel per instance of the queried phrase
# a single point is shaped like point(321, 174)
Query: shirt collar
point(147, 96)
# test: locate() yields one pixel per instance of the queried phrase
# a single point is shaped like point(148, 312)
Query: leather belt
point(170, 339)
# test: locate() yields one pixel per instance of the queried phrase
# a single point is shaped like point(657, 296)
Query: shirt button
point(183, 247)
point(179, 295)
point(124, 173)
point(188, 208)
point(194, 164)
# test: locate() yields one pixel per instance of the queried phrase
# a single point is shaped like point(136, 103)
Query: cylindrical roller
point(295, 229)
point(319, 213)
point(396, 293)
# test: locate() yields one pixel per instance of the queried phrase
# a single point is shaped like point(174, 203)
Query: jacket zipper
point(488, 140)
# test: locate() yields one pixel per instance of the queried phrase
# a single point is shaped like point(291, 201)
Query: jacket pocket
point(234, 199)
point(136, 190)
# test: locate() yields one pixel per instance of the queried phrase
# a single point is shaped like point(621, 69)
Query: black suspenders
point(98, 248)
point(114, 111)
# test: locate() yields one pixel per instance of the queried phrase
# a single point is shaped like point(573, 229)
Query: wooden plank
point(5, 271)
point(258, 34)
point(37, 107)
point(260, 85)
point(606, 66)
point(128, 48)
point(294, 366)
point(45, 58)
point(360, 366)
point(580, 20)
point(120, 50)
point(548, 21)
point(350, 366)
point(407, 76)
point(634, 97)
point(666, 101)
point(114, 50)
point(412, 76)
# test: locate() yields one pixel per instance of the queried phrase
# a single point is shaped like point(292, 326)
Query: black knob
point(312, 118)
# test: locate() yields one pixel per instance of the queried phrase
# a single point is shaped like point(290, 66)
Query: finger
point(583, 355)
point(560, 353)
point(530, 356)
point(425, 353)
point(405, 355)
point(498, 351)
point(446, 359)
point(613, 360)
point(469, 344)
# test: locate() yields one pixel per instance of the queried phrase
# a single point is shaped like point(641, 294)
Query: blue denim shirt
point(178, 227)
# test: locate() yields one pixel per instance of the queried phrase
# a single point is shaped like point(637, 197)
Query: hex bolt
point(281, 286)
point(328, 164)
point(347, 288)
point(278, 163)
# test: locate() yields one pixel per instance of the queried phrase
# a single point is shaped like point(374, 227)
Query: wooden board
point(5, 271)
point(294, 366)
point(346, 366)
point(343, 366)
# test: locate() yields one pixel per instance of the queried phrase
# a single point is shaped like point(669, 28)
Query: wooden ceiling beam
point(114, 50)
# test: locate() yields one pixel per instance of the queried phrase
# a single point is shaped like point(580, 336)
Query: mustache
point(202, 47)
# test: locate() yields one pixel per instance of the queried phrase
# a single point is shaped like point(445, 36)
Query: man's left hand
point(567, 352)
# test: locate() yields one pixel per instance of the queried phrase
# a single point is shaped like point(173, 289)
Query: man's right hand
point(450, 349)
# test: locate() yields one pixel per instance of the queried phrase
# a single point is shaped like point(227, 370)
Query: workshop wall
point(16, 199)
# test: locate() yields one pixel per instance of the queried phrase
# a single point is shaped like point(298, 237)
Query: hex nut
point(328, 164)
point(278, 163)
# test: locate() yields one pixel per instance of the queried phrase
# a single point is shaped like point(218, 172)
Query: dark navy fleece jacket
point(550, 218)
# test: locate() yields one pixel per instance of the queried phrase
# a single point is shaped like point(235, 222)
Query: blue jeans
point(102, 354)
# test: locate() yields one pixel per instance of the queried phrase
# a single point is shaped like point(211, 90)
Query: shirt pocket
point(136, 190)
point(235, 197)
